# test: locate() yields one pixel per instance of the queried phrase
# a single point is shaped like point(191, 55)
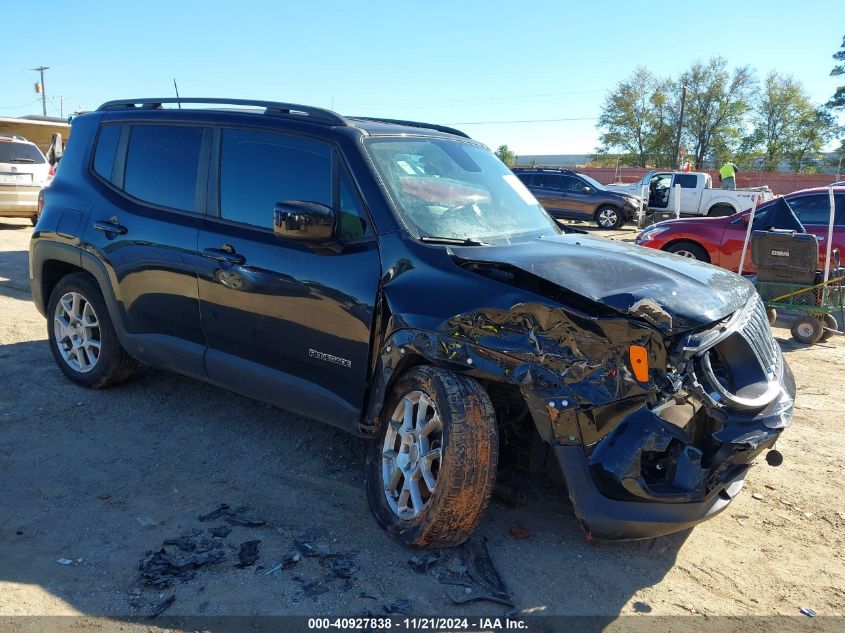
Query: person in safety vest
point(727, 175)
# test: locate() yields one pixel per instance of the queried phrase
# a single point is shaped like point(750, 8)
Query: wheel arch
point(686, 240)
point(52, 261)
point(723, 202)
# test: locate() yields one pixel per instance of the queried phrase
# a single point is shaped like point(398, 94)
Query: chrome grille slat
point(757, 332)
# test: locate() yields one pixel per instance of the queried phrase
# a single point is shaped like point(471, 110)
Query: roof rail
point(430, 126)
point(14, 137)
point(307, 113)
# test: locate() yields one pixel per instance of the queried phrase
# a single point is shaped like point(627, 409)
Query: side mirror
point(303, 221)
point(586, 189)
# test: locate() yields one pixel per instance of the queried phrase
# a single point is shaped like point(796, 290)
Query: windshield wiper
point(15, 159)
point(457, 241)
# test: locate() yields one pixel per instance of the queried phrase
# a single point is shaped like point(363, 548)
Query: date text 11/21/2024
point(417, 624)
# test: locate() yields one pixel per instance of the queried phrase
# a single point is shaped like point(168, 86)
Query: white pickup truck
point(698, 197)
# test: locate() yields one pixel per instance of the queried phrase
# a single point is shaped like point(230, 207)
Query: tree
point(505, 155)
point(813, 129)
point(838, 99)
point(637, 119)
point(786, 125)
point(717, 102)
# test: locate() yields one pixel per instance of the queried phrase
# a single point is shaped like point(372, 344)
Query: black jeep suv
point(568, 195)
point(394, 279)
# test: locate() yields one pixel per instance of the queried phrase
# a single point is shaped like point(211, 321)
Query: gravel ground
point(98, 478)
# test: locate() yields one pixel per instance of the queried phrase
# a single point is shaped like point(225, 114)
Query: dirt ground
point(95, 479)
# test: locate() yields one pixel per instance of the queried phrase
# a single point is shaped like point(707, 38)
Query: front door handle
point(111, 226)
point(225, 253)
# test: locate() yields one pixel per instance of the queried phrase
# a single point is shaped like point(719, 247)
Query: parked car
point(23, 173)
point(566, 194)
point(698, 197)
point(396, 280)
point(719, 240)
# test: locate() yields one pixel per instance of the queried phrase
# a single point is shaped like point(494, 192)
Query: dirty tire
point(34, 220)
point(609, 217)
point(807, 330)
point(690, 250)
point(114, 365)
point(828, 321)
point(467, 473)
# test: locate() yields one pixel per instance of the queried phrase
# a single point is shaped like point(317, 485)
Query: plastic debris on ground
point(248, 554)
point(810, 613)
point(162, 606)
point(402, 606)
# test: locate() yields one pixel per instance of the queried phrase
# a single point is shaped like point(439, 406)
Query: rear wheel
point(431, 471)
point(688, 249)
point(82, 337)
point(807, 330)
point(609, 217)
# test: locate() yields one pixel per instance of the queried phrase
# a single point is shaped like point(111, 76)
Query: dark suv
point(395, 280)
point(568, 195)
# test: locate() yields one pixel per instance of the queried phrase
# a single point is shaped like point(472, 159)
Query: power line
point(25, 105)
point(491, 99)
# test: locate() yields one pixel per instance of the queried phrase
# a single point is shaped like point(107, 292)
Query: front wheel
point(82, 337)
point(432, 469)
point(609, 217)
point(689, 250)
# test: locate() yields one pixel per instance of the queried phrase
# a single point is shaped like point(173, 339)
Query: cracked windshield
point(453, 190)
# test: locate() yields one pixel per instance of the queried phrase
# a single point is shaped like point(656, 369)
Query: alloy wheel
point(608, 218)
point(412, 454)
point(76, 331)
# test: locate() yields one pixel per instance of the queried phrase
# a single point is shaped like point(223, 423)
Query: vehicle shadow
point(96, 480)
point(14, 278)
point(15, 224)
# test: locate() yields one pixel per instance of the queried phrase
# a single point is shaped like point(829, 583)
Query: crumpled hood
point(671, 292)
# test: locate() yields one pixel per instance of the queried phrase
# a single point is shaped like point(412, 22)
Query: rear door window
point(162, 164)
point(687, 181)
point(259, 169)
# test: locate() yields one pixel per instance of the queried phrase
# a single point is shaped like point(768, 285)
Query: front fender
point(550, 401)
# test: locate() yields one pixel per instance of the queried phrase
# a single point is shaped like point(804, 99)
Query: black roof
point(302, 113)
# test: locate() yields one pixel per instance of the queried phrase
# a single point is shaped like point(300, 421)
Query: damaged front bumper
point(668, 465)
point(641, 458)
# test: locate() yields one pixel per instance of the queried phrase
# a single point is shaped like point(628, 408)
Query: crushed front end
point(663, 462)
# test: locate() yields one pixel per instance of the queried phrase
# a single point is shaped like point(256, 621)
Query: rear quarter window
point(105, 150)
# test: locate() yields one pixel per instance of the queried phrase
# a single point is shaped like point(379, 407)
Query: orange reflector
point(639, 362)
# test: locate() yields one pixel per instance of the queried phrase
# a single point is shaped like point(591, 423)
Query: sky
point(532, 75)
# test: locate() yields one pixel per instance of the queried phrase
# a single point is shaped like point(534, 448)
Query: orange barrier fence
point(779, 182)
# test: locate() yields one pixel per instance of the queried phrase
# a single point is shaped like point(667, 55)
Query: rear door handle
point(112, 225)
point(224, 254)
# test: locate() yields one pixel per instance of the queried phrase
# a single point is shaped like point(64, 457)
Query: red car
point(719, 240)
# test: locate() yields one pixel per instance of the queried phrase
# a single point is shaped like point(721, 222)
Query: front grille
point(738, 363)
point(757, 332)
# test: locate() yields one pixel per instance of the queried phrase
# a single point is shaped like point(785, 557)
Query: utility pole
point(675, 156)
point(41, 70)
point(61, 106)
